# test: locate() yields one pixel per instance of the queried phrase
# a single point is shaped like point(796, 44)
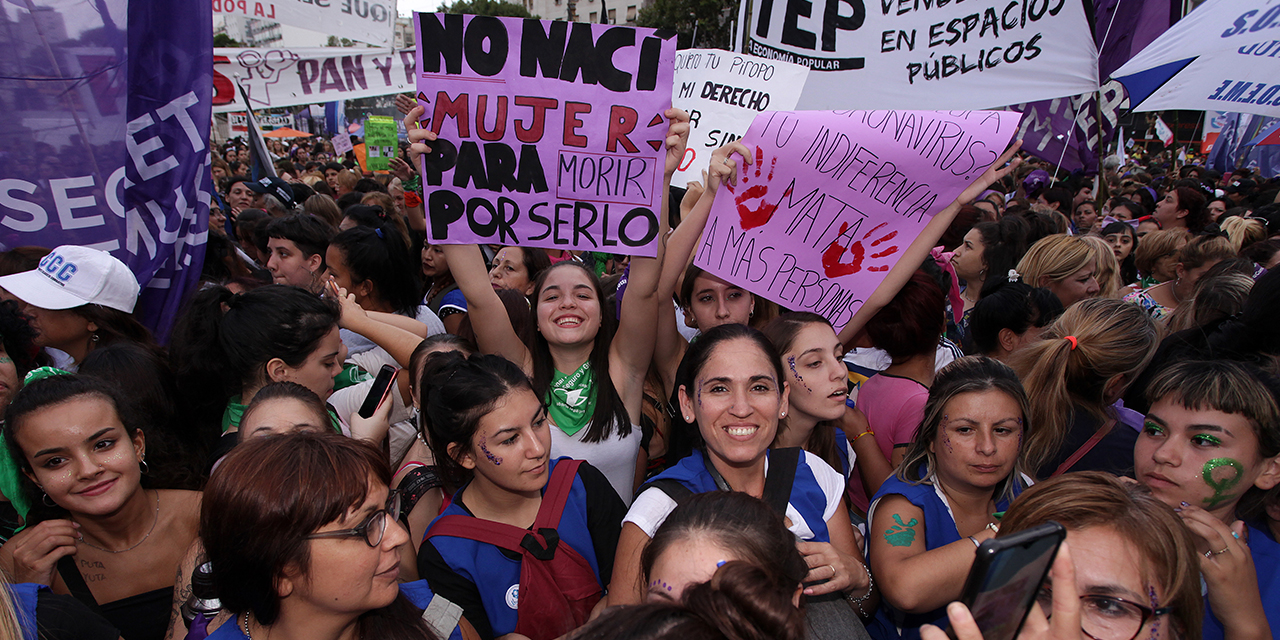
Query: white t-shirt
point(614, 456)
point(653, 506)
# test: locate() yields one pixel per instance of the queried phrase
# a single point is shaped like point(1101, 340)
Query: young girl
point(735, 390)
point(94, 532)
point(591, 377)
point(1210, 442)
point(1062, 264)
point(490, 434)
point(965, 464)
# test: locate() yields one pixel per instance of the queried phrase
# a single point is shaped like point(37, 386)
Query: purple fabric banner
point(104, 142)
point(1066, 131)
point(1123, 27)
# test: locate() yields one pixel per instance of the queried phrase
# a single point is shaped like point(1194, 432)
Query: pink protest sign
point(835, 197)
point(551, 133)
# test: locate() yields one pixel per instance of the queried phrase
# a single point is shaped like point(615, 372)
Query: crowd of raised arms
point(584, 445)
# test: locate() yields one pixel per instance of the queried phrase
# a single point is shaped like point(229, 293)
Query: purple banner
point(1067, 131)
point(1122, 29)
point(104, 142)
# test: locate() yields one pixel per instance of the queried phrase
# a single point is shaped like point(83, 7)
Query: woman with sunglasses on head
point(1210, 448)
point(301, 535)
point(590, 376)
point(1127, 570)
point(94, 530)
point(490, 436)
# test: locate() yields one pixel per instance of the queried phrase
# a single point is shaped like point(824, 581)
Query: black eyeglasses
point(1105, 617)
point(373, 527)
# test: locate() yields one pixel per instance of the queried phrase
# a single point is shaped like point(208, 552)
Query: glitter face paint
point(791, 362)
point(699, 394)
point(1155, 620)
point(1221, 488)
point(496, 460)
point(661, 585)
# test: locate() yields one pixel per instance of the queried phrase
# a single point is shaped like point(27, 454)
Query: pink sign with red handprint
point(834, 198)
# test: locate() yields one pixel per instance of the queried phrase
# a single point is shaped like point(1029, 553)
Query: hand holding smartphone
point(1005, 578)
point(381, 388)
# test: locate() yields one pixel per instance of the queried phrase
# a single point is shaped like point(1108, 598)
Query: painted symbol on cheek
point(901, 534)
point(6, 360)
point(791, 361)
point(496, 460)
point(1155, 620)
point(661, 585)
point(699, 394)
point(1221, 488)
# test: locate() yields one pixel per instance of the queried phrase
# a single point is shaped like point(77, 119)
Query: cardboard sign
point(723, 92)
point(285, 76)
point(835, 197)
point(380, 139)
point(913, 54)
point(551, 134)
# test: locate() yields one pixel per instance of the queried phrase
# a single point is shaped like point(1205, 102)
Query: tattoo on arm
point(901, 534)
point(180, 594)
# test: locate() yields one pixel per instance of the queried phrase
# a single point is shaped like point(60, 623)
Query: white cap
point(71, 276)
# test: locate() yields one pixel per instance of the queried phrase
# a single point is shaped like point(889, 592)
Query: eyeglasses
point(373, 527)
point(1105, 617)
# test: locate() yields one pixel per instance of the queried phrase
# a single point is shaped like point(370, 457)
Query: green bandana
point(572, 400)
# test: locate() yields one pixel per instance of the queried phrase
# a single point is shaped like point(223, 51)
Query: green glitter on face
point(1221, 487)
point(6, 360)
point(1204, 438)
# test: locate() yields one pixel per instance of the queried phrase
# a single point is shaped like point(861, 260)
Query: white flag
point(1163, 131)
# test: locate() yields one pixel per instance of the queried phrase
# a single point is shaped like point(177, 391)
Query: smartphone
point(1006, 577)
point(381, 386)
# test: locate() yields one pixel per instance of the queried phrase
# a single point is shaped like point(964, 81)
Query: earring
point(94, 336)
point(46, 500)
point(142, 464)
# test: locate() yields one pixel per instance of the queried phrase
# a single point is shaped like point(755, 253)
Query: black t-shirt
point(605, 511)
point(1113, 454)
point(61, 617)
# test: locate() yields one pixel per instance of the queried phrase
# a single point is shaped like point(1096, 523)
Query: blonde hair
point(1244, 231)
point(10, 614)
point(1157, 245)
point(1108, 275)
point(1113, 339)
point(1202, 250)
point(1055, 257)
point(347, 179)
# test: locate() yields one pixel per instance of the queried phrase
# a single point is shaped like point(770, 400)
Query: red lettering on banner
point(572, 123)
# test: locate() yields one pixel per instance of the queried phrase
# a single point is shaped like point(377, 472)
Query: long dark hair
point(381, 255)
point(269, 494)
point(455, 392)
point(1129, 266)
point(1003, 241)
point(610, 413)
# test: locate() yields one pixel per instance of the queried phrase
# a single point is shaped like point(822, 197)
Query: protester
point(1192, 260)
point(517, 268)
point(1123, 239)
point(1063, 264)
point(1011, 316)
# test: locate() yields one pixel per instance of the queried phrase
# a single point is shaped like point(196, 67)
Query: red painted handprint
point(750, 217)
point(834, 268)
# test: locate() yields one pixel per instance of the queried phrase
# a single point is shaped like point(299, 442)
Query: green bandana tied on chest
point(572, 400)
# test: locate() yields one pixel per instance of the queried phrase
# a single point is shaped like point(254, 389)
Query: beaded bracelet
point(871, 586)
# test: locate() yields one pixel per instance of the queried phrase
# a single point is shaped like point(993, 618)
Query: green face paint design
point(1221, 488)
point(901, 534)
point(1204, 439)
point(6, 360)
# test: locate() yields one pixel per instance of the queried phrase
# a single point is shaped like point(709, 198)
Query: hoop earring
point(142, 465)
point(46, 500)
point(94, 337)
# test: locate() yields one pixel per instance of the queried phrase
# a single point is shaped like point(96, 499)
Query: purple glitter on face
point(496, 460)
point(1155, 620)
point(791, 361)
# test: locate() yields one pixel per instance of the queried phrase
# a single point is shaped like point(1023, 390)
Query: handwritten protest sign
point(283, 77)
point(913, 54)
point(835, 198)
point(380, 140)
point(551, 134)
point(723, 91)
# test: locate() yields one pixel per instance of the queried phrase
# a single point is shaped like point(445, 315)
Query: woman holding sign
point(590, 376)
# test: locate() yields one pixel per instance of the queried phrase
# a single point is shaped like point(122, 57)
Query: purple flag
point(106, 136)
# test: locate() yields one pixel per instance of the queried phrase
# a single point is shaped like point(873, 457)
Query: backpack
point(558, 588)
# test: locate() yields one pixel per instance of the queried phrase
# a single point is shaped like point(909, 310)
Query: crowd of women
point(588, 446)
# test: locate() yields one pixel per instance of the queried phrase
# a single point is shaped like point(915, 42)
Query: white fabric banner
point(723, 91)
point(922, 54)
point(286, 77)
point(368, 21)
point(1217, 58)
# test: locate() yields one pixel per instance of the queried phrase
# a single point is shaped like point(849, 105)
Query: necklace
point(135, 546)
point(246, 626)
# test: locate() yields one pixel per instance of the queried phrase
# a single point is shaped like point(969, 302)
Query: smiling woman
point(490, 434)
point(96, 532)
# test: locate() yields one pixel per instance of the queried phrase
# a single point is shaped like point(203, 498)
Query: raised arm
point(669, 345)
point(494, 333)
point(632, 346)
point(926, 241)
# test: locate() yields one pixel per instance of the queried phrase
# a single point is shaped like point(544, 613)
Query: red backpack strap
point(495, 533)
point(557, 494)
